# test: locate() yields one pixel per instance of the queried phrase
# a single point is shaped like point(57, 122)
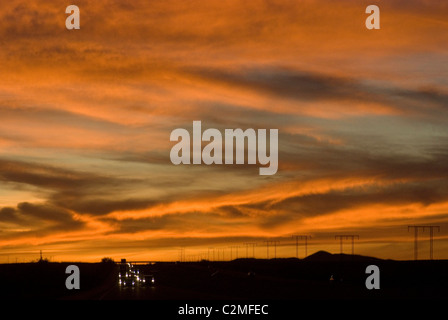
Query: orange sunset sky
point(86, 117)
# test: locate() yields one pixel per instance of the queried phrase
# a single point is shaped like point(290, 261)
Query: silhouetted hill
point(322, 256)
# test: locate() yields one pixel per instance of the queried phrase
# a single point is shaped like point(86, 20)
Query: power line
point(182, 254)
point(220, 252)
point(267, 248)
point(301, 237)
point(275, 248)
point(274, 242)
point(347, 237)
point(208, 252)
point(247, 244)
point(234, 247)
point(431, 241)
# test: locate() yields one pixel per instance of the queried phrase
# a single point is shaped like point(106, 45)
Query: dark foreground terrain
point(242, 279)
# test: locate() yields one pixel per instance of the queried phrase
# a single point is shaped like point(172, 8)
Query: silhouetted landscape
point(240, 279)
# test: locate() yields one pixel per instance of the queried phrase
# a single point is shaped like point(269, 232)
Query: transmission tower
point(431, 240)
point(301, 237)
point(182, 254)
point(347, 237)
point(253, 245)
point(233, 247)
point(208, 253)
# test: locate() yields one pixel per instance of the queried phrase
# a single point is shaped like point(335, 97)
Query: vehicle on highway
point(127, 276)
point(127, 281)
point(148, 280)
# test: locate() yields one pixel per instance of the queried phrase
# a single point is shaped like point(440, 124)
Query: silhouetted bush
point(107, 260)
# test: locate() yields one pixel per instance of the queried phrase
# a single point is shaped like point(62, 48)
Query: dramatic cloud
point(38, 220)
point(283, 83)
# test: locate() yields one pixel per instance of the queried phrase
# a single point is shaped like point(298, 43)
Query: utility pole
point(267, 247)
point(301, 237)
point(431, 241)
point(221, 253)
point(247, 250)
point(347, 237)
point(234, 247)
point(275, 248)
point(416, 228)
point(211, 248)
point(253, 244)
point(182, 254)
point(274, 242)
